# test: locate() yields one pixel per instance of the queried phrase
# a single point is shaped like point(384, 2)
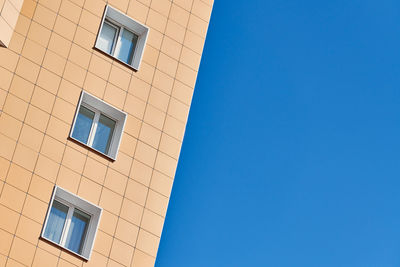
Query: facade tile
point(22, 251)
point(19, 177)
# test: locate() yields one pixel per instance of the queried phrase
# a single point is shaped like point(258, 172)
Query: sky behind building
point(291, 153)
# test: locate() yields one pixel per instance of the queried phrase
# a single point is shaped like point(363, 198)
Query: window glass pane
point(127, 46)
point(104, 131)
point(106, 38)
point(56, 221)
point(83, 124)
point(77, 231)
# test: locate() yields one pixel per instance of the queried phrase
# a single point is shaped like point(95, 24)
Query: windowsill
point(91, 149)
point(116, 59)
point(64, 249)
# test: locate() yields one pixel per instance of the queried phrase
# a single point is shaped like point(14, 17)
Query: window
point(122, 37)
point(98, 125)
point(71, 222)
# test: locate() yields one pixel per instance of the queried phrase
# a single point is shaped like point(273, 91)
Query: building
point(94, 99)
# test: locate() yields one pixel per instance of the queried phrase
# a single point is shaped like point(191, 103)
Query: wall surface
point(47, 62)
point(9, 13)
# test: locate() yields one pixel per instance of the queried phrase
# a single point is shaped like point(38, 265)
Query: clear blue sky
point(292, 151)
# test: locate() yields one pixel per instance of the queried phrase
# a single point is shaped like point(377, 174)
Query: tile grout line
point(50, 115)
point(26, 193)
point(141, 125)
point(158, 151)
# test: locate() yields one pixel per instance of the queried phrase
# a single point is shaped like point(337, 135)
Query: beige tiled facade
point(47, 60)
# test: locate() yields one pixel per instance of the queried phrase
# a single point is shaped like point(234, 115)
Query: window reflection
point(77, 231)
point(107, 37)
point(127, 46)
point(56, 221)
point(83, 124)
point(103, 136)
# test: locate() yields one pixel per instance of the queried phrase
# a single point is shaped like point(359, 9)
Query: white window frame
point(98, 106)
point(75, 202)
point(121, 21)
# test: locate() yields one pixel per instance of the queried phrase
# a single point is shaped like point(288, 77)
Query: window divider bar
point(118, 42)
point(67, 225)
point(115, 41)
point(94, 128)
